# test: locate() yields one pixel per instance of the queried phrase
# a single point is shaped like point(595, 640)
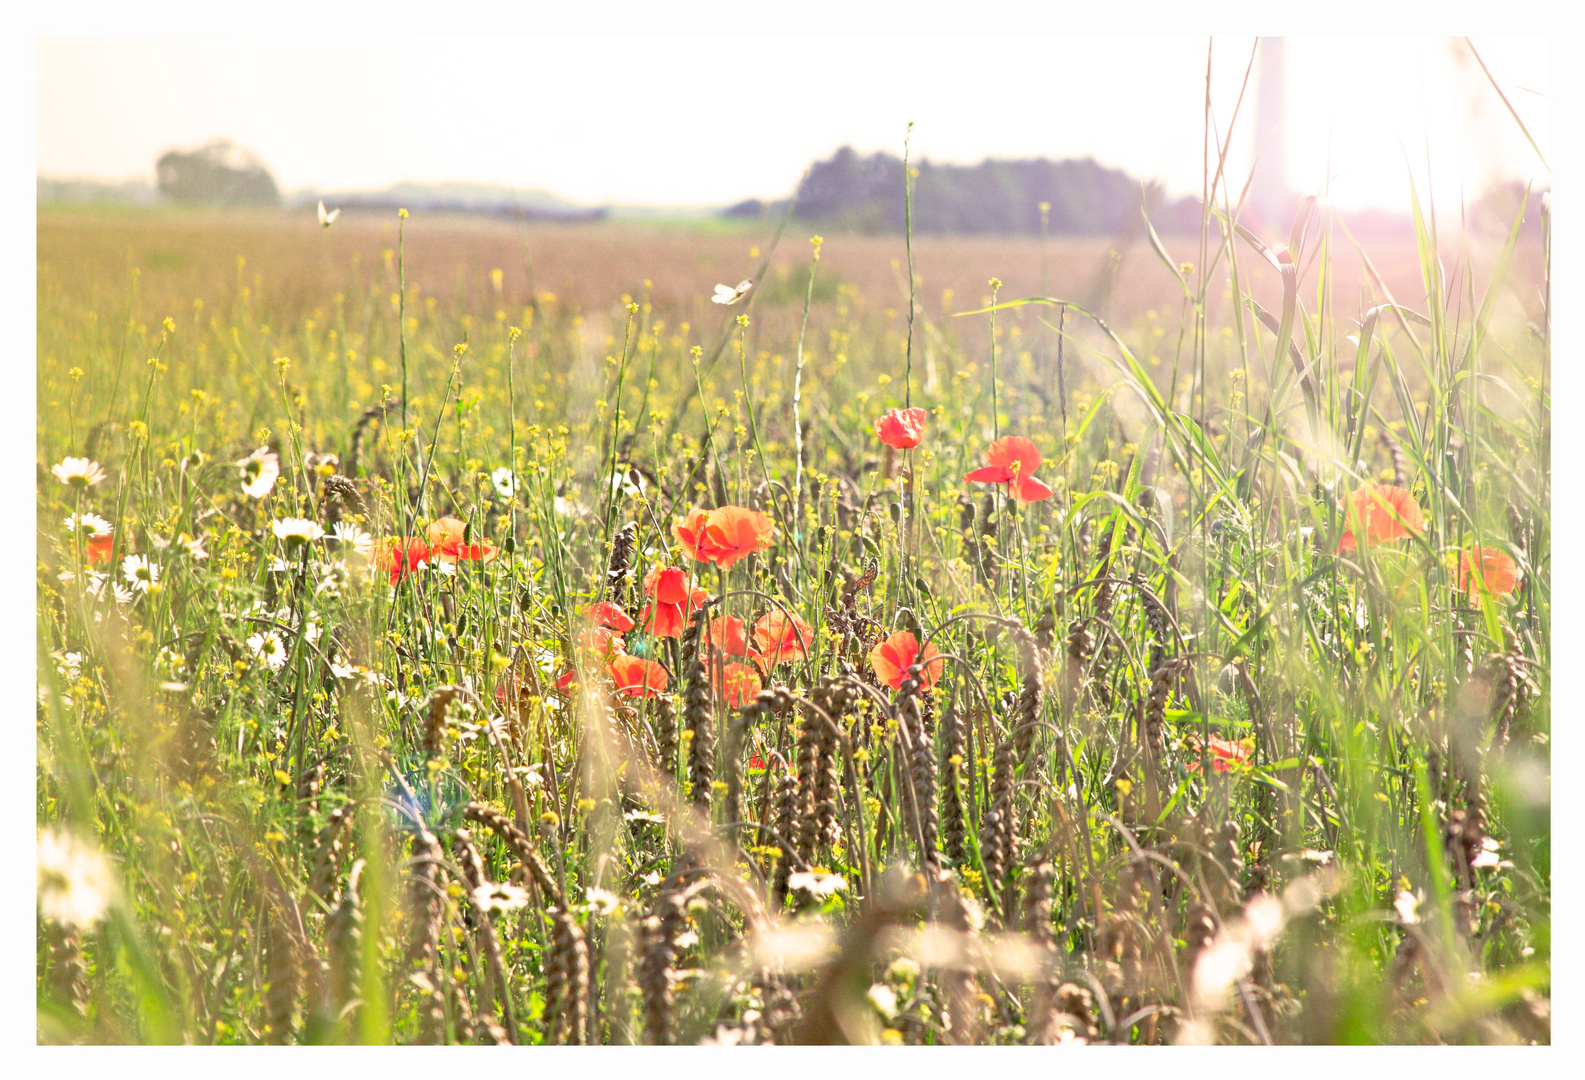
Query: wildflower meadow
point(433, 653)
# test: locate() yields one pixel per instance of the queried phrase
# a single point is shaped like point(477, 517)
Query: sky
point(708, 119)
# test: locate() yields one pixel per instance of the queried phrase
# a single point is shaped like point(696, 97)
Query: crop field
point(453, 630)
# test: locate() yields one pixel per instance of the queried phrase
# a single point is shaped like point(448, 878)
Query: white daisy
point(294, 532)
point(342, 669)
point(500, 896)
point(194, 548)
point(122, 594)
point(268, 647)
point(78, 472)
point(601, 900)
point(92, 524)
point(75, 881)
point(819, 884)
point(337, 577)
point(139, 572)
point(260, 470)
point(504, 482)
point(350, 536)
point(69, 664)
point(883, 999)
point(1488, 854)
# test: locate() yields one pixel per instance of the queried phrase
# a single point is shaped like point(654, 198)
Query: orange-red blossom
point(1013, 461)
point(445, 539)
point(637, 677)
point(902, 429)
point(1383, 513)
point(780, 635)
point(1485, 566)
point(892, 658)
point(675, 599)
point(1225, 756)
point(724, 535)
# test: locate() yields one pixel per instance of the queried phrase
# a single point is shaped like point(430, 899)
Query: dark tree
point(216, 174)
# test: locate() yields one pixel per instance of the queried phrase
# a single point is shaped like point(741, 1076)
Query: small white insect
point(326, 218)
point(725, 294)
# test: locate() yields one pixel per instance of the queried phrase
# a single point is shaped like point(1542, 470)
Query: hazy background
point(707, 121)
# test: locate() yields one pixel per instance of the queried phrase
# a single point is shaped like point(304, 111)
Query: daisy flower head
point(268, 648)
point(260, 470)
point(90, 523)
point(78, 472)
point(349, 535)
point(504, 481)
point(139, 572)
point(500, 896)
point(76, 884)
point(818, 883)
point(98, 537)
point(68, 664)
point(192, 547)
point(295, 532)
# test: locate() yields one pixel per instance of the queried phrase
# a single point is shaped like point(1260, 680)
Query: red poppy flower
point(727, 634)
point(448, 542)
point(98, 545)
point(733, 532)
point(401, 557)
point(755, 761)
point(893, 657)
point(1225, 755)
point(1383, 512)
point(690, 533)
point(606, 614)
point(668, 584)
point(567, 681)
point(1013, 461)
point(637, 677)
point(1496, 571)
point(736, 684)
point(676, 599)
point(901, 428)
point(780, 635)
point(597, 643)
point(723, 535)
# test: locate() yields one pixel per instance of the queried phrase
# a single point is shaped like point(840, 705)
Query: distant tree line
point(216, 174)
point(865, 194)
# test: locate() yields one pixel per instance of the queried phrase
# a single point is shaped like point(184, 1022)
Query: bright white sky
point(711, 120)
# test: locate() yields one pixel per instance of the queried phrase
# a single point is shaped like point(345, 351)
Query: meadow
point(465, 631)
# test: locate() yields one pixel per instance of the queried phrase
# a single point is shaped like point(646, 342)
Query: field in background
point(1195, 771)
